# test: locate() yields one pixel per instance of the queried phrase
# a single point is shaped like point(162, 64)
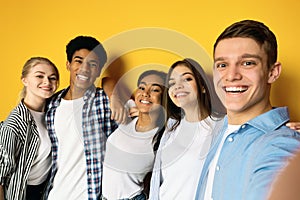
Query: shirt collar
point(271, 120)
point(87, 95)
point(25, 116)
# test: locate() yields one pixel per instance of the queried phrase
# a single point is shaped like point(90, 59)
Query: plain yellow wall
point(42, 28)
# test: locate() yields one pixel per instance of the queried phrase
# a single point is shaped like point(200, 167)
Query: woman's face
point(183, 88)
point(41, 81)
point(149, 93)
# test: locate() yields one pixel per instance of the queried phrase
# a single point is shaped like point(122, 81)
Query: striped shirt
point(96, 126)
point(19, 141)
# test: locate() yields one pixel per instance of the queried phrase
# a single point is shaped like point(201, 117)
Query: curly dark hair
point(89, 43)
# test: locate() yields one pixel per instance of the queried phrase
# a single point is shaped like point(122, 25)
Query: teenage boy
point(252, 142)
point(79, 122)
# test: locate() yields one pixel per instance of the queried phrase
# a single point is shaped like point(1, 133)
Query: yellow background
point(43, 28)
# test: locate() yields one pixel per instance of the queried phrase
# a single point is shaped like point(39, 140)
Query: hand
point(133, 112)
point(131, 108)
point(118, 111)
point(294, 125)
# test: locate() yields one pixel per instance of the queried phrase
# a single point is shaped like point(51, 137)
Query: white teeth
point(180, 94)
point(46, 88)
point(235, 89)
point(82, 77)
point(145, 102)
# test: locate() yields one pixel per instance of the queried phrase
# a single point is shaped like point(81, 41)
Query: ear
point(274, 72)
point(68, 65)
point(24, 81)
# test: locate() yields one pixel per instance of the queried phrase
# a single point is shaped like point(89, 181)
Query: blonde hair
point(30, 64)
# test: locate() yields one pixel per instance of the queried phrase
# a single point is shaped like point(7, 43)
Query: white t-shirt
point(183, 157)
point(129, 157)
point(213, 164)
point(70, 181)
point(42, 161)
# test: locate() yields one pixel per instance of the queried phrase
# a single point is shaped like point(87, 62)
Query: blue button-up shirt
point(96, 126)
point(251, 157)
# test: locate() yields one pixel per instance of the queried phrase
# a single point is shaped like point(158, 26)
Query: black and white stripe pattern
point(18, 146)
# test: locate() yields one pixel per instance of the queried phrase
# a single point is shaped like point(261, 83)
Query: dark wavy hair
point(162, 117)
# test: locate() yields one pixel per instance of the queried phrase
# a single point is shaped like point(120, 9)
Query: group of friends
point(176, 143)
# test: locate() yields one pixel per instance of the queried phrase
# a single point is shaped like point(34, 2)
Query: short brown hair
point(256, 31)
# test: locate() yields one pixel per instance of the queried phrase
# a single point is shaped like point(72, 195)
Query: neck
point(146, 122)
point(36, 104)
point(74, 94)
point(193, 115)
point(238, 118)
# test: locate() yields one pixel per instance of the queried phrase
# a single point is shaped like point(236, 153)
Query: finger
point(112, 116)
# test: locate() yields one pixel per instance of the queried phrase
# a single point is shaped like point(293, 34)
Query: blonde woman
point(25, 147)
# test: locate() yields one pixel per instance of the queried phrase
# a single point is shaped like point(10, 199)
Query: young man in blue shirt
point(252, 143)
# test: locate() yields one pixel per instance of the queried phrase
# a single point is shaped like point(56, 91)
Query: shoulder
point(18, 117)
point(280, 143)
point(19, 113)
point(283, 136)
point(100, 92)
point(56, 98)
point(126, 128)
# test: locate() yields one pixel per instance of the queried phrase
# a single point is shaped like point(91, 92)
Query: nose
point(46, 80)
point(85, 67)
point(178, 85)
point(146, 92)
point(233, 73)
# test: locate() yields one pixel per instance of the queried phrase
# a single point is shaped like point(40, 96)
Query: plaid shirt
point(96, 126)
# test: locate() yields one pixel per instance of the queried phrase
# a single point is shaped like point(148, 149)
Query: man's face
point(241, 78)
point(84, 69)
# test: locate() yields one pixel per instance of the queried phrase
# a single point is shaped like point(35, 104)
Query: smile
point(46, 88)
point(180, 94)
point(82, 77)
point(236, 89)
point(145, 102)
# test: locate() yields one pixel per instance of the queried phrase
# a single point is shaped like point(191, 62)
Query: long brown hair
point(204, 95)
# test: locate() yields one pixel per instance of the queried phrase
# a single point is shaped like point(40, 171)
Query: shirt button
point(230, 139)
point(218, 168)
point(90, 190)
point(89, 175)
point(243, 126)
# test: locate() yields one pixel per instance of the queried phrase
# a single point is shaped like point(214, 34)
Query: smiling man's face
point(84, 70)
point(241, 77)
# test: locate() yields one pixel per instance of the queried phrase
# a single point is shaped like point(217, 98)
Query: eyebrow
point(39, 72)
point(92, 60)
point(78, 57)
point(154, 84)
point(251, 56)
point(247, 55)
point(185, 73)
